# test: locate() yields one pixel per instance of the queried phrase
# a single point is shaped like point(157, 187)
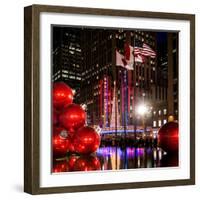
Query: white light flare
point(142, 109)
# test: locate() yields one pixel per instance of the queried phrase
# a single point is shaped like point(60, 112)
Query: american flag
point(148, 51)
point(143, 49)
point(138, 47)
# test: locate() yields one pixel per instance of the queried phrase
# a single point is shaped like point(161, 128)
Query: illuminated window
point(71, 52)
point(154, 124)
point(164, 121)
point(164, 111)
point(154, 112)
point(79, 50)
point(65, 71)
point(159, 112)
point(159, 123)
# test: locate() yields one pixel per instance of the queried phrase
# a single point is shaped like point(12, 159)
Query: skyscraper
point(67, 56)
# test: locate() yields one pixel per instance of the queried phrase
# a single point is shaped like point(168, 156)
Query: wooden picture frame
point(32, 107)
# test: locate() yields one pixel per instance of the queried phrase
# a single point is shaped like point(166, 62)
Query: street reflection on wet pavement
point(116, 158)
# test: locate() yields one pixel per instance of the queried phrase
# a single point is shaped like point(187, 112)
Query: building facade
point(173, 75)
point(86, 60)
point(67, 56)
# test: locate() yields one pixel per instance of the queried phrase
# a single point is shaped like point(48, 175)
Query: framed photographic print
point(109, 99)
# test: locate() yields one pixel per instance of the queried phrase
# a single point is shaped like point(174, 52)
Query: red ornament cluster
point(76, 163)
point(70, 133)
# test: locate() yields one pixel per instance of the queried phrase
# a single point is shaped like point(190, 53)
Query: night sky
point(161, 43)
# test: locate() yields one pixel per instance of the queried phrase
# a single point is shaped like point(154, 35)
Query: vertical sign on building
point(124, 98)
point(106, 101)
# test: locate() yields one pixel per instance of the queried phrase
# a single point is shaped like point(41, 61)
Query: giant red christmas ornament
point(71, 145)
point(62, 95)
point(64, 164)
point(86, 140)
point(73, 117)
point(168, 138)
point(55, 117)
point(61, 142)
point(71, 161)
point(60, 166)
point(87, 163)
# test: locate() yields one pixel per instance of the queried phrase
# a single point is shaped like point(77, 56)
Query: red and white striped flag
point(148, 51)
point(137, 50)
point(139, 58)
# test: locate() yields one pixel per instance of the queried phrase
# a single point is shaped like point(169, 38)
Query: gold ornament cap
point(170, 118)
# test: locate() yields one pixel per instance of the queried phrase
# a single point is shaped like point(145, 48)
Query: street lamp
point(142, 110)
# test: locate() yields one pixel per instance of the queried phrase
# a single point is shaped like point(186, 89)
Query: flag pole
point(134, 94)
point(126, 85)
point(114, 47)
